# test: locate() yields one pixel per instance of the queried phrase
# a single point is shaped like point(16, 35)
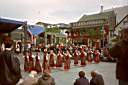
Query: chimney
point(101, 8)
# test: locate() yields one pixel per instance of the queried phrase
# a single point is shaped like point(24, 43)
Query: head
point(51, 51)
point(93, 73)
point(76, 50)
point(33, 73)
point(45, 50)
point(81, 74)
point(8, 42)
point(46, 75)
point(67, 52)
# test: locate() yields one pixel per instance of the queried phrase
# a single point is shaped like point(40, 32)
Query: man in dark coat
point(46, 79)
point(97, 79)
point(120, 51)
point(82, 80)
point(10, 71)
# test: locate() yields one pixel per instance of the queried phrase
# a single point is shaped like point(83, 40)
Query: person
point(120, 51)
point(97, 56)
point(76, 57)
point(37, 67)
point(89, 55)
point(26, 61)
point(17, 48)
point(31, 79)
point(83, 56)
point(52, 59)
point(10, 72)
point(67, 61)
point(45, 64)
point(31, 61)
point(46, 79)
point(59, 61)
point(97, 78)
point(82, 80)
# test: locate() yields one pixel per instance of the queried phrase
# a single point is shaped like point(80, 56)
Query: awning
point(35, 30)
point(7, 25)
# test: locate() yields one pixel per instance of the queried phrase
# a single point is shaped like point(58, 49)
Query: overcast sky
point(54, 11)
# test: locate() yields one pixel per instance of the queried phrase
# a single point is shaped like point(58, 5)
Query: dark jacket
point(97, 80)
point(10, 72)
point(46, 79)
point(81, 81)
point(120, 51)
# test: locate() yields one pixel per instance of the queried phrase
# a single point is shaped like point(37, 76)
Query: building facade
point(93, 30)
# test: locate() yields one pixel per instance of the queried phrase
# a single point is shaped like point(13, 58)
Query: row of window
point(87, 23)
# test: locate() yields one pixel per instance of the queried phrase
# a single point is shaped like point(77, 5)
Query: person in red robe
point(37, 63)
point(59, 61)
point(26, 62)
point(67, 61)
point(31, 61)
point(76, 57)
point(45, 65)
point(97, 56)
point(83, 56)
point(90, 55)
point(52, 59)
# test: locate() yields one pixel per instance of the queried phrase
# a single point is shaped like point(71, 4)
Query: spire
point(102, 8)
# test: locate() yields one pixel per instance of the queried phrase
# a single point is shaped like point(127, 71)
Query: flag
point(29, 32)
point(35, 30)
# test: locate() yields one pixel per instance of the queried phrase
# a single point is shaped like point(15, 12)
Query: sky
point(54, 11)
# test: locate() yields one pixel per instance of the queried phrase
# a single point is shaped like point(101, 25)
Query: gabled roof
point(7, 25)
point(102, 15)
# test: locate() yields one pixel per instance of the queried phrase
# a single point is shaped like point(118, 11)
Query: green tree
point(53, 30)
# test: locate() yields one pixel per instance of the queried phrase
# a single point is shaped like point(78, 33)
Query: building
point(121, 14)
point(121, 20)
point(55, 33)
point(93, 30)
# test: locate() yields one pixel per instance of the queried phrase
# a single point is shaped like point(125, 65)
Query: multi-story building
point(121, 15)
point(121, 19)
point(54, 33)
point(93, 30)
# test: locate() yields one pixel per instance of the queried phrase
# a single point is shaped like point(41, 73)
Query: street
point(68, 77)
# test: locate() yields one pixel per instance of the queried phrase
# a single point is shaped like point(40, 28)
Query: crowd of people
point(59, 57)
point(97, 79)
point(47, 79)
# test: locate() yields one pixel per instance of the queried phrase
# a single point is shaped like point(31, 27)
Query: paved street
point(67, 78)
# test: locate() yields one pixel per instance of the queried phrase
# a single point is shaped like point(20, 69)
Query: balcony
point(91, 23)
